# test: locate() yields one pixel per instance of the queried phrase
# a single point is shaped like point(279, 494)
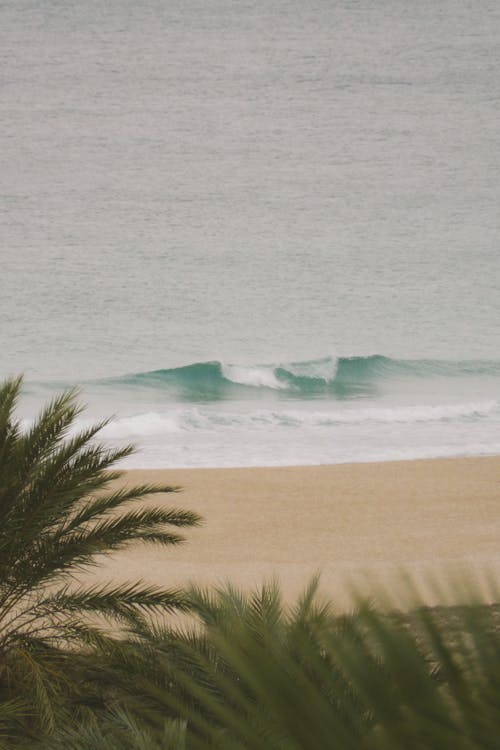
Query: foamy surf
point(328, 410)
point(248, 436)
point(192, 419)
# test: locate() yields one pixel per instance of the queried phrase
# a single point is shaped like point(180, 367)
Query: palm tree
point(251, 673)
point(117, 731)
point(60, 508)
point(262, 676)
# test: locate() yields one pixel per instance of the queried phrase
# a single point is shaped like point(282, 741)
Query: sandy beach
point(356, 522)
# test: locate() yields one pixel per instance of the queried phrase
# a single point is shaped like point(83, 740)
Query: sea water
point(256, 232)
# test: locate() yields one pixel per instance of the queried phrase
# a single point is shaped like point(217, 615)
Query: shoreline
point(353, 523)
point(258, 467)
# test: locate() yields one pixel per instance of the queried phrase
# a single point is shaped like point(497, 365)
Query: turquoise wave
point(343, 377)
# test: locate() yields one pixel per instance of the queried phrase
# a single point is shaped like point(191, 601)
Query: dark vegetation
point(109, 667)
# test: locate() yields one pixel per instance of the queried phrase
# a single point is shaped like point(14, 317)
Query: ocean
point(257, 233)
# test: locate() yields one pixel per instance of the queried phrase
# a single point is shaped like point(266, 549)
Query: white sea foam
point(265, 375)
point(141, 425)
point(404, 414)
point(249, 434)
point(254, 376)
point(194, 419)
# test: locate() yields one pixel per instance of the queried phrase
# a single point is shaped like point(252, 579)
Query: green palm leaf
point(259, 675)
point(59, 512)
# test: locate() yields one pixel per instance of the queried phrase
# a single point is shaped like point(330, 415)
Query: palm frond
point(58, 513)
point(97, 507)
point(256, 676)
point(121, 601)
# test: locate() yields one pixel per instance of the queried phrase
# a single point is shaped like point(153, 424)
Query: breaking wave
point(330, 376)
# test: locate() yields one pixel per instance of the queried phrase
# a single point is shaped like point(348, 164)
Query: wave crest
point(341, 377)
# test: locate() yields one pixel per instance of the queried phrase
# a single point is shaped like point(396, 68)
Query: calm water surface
point(256, 185)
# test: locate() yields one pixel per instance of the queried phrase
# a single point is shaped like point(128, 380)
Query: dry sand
point(344, 521)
